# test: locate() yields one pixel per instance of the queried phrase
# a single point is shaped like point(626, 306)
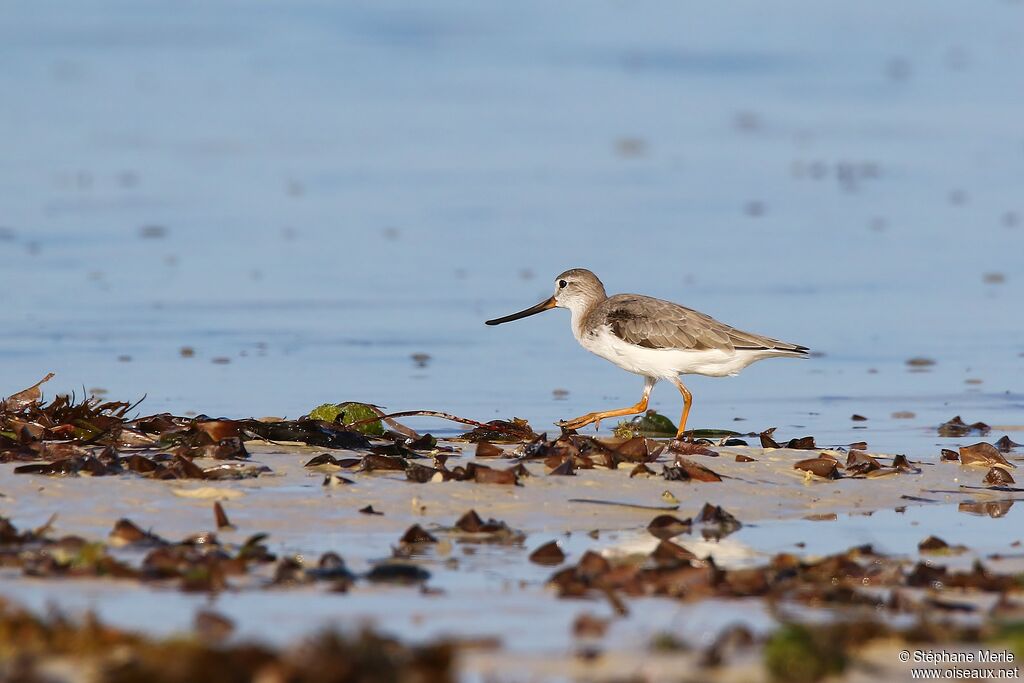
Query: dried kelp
point(984, 454)
point(549, 554)
point(474, 528)
point(716, 522)
point(1005, 444)
point(957, 427)
point(32, 644)
point(826, 468)
point(850, 578)
point(685, 469)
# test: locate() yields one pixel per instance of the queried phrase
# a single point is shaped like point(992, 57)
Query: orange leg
point(687, 402)
point(639, 407)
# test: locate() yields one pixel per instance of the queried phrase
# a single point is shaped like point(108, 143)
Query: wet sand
point(489, 592)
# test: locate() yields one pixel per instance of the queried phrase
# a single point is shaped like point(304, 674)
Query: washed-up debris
point(198, 563)
point(802, 443)
point(368, 510)
point(375, 462)
point(860, 463)
point(421, 474)
point(669, 555)
point(997, 476)
point(994, 509)
point(111, 654)
point(641, 470)
point(221, 517)
point(934, 545)
point(157, 466)
point(126, 532)
point(472, 471)
point(744, 458)
point(549, 554)
point(409, 447)
point(900, 463)
point(234, 470)
point(565, 467)
point(673, 504)
point(95, 437)
point(400, 573)
point(201, 562)
point(798, 654)
point(331, 567)
point(486, 449)
point(638, 449)
point(213, 627)
point(289, 571)
point(767, 441)
point(326, 461)
point(332, 480)
point(650, 424)
point(849, 578)
point(667, 526)
point(680, 447)
point(826, 468)
point(916, 499)
point(507, 431)
point(25, 397)
point(589, 626)
point(1005, 444)
point(687, 470)
point(949, 456)
point(85, 438)
point(731, 641)
point(482, 474)
point(805, 443)
point(957, 427)
point(416, 535)
point(490, 530)
point(585, 452)
point(347, 413)
point(978, 578)
point(716, 522)
point(984, 454)
point(318, 433)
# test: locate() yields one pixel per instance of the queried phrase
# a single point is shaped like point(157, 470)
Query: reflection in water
point(993, 509)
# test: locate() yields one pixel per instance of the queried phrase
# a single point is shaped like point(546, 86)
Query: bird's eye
point(562, 284)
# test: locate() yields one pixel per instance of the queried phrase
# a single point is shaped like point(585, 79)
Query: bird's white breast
point(665, 363)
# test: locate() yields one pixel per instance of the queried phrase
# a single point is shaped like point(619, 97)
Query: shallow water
point(489, 590)
point(308, 194)
point(342, 187)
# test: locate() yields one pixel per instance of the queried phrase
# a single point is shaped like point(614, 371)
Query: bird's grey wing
point(656, 324)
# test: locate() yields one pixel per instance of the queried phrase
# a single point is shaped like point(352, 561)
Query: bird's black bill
point(532, 310)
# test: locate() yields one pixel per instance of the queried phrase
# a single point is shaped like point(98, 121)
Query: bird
point(653, 338)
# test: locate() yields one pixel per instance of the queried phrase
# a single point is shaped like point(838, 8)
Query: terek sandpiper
point(653, 338)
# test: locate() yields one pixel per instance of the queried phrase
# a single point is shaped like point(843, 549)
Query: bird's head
point(577, 289)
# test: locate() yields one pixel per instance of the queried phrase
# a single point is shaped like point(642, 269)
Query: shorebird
point(653, 338)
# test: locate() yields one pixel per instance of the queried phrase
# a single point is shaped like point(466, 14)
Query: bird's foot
point(579, 422)
point(683, 437)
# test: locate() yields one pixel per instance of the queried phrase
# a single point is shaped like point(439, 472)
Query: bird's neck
point(579, 317)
